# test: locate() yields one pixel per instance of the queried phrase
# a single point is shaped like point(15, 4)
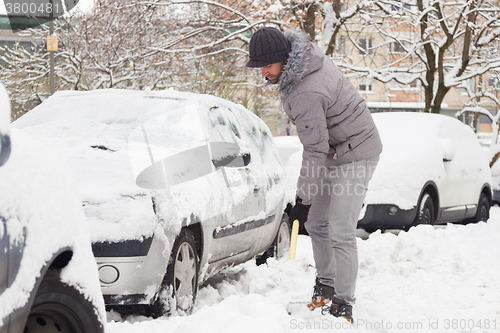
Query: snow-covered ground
point(429, 279)
point(436, 279)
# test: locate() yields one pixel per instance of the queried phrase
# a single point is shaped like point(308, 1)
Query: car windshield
point(169, 149)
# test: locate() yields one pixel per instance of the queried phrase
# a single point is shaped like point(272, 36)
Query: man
point(341, 149)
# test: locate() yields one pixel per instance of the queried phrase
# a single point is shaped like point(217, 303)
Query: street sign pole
point(51, 50)
point(51, 31)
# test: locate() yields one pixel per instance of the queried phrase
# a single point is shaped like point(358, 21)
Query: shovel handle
point(293, 240)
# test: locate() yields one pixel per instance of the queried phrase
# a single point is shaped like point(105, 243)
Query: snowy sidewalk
point(430, 279)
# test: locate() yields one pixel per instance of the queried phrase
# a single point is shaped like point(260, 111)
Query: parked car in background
point(176, 187)
point(432, 170)
point(48, 275)
point(484, 140)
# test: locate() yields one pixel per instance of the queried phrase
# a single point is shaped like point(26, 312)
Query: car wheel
point(483, 209)
point(180, 284)
point(425, 213)
point(282, 240)
point(58, 307)
point(281, 244)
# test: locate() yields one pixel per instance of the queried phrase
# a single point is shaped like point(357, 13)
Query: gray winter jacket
point(333, 121)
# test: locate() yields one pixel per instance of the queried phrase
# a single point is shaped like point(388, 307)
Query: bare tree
point(192, 46)
point(439, 43)
point(23, 67)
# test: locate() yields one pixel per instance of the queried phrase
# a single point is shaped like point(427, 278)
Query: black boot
point(322, 294)
point(339, 308)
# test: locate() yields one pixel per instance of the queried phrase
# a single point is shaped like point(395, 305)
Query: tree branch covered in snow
point(439, 43)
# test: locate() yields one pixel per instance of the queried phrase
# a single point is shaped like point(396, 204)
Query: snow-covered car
point(432, 170)
point(48, 275)
point(176, 187)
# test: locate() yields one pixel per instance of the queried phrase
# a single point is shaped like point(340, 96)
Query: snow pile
point(430, 279)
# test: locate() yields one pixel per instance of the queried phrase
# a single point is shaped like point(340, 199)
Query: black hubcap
point(52, 318)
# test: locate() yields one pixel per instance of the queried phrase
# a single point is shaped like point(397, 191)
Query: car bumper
point(131, 272)
point(386, 216)
point(131, 299)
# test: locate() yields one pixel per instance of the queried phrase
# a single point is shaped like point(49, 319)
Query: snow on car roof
point(92, 135)
point(414, 146)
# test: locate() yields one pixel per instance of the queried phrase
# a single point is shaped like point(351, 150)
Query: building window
point(366, 84)
point(400, 7)
point(365, 46)
point(494, 83)
point(396, 48)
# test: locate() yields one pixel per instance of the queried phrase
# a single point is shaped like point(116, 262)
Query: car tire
point(425, 212)
point(371, 229)
point(483, 209)
point(281, 244)
point(58, 307)
point(180, 284)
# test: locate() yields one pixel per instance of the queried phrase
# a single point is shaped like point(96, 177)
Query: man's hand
point(299, 212)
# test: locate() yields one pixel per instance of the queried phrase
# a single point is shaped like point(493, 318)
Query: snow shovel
point(293, 240)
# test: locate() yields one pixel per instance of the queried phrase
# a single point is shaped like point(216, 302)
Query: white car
point(176, 187)
point(48, 275)
point(432, 170)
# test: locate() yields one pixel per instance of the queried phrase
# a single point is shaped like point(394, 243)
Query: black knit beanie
point(267, 46)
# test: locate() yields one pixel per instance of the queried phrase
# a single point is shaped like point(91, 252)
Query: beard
point(271, 82)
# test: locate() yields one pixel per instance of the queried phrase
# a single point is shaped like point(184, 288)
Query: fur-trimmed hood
point(297, 64)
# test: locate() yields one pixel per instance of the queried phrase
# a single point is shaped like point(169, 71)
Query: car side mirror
point(5, 145)
point(227, 154)
point(191, 164)
point(176, 169)
point(448, 147)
